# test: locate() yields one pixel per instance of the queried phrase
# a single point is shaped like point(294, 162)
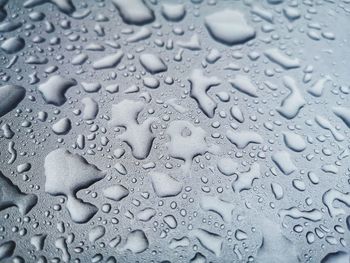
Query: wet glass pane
point(175, 131)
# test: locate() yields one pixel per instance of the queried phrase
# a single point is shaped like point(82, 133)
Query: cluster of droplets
point(174, 131)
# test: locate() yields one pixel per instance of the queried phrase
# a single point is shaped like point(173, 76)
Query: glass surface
point(175, 131)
